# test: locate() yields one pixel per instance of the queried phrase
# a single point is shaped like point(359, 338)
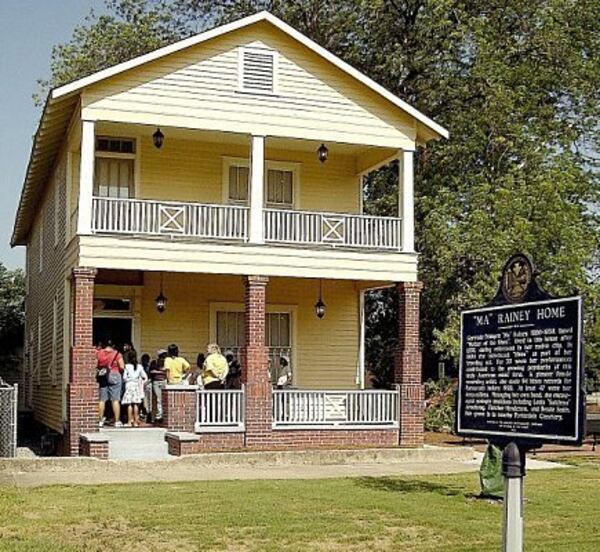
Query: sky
point(28, 30)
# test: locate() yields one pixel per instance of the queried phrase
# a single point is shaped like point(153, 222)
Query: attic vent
point(257, 72)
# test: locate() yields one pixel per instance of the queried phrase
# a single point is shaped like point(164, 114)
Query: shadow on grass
point(393, 485)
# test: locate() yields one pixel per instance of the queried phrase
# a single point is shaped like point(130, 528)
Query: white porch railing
point(334, 229)
point(220, 410)
point(169, 218)
point(343, 409)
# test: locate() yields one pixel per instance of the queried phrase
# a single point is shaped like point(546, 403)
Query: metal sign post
point(513, 470)
point(521, 378)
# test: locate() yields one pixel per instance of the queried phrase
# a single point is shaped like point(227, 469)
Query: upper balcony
point(203, 189)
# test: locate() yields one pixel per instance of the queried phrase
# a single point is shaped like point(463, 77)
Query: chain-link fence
point(8, 420)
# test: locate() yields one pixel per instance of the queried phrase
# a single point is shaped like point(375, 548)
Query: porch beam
point(257, 186)
point(406, 199)
point(86, 178)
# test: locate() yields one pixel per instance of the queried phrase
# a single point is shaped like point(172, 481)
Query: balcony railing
point(333, 229)
point(223, 410)
point(220, 410)
point(231, 222)
point(343, 409)
point(169, 218)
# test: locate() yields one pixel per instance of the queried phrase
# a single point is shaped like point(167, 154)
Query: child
point(134, 377)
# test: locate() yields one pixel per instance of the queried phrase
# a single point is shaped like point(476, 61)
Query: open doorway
point(116, 329)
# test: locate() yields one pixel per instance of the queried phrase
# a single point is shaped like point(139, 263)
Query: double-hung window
point(114, 167)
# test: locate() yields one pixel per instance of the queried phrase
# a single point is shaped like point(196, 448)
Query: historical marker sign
point(521, 371)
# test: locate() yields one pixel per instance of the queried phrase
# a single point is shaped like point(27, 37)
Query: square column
point(407, 365)
point(406, 202)
point(257, 189)
point(82, 393)
point(86, 178)
point(255, 368)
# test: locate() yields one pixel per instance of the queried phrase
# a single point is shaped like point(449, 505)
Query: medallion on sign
point(516, 278)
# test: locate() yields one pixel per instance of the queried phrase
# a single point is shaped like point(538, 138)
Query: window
point(230, 331)
point(56, 213)
point(114, 177)
point(280, 188)
point(115, 145)
point(41, 245)
point(281, 183)
point(53, 364)
point(258, 70)
point(238, 184)
point(38, 352)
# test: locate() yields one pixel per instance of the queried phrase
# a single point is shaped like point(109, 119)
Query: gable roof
point(61, 101)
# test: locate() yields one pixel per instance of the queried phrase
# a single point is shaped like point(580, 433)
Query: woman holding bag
point(108, 374)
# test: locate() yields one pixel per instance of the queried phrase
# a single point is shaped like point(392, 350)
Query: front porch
point(259, 319)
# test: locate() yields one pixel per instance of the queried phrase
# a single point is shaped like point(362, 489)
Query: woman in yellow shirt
point(215, 368)
point(175, 366)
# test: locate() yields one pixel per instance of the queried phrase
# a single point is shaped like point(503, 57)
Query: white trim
point(256, 192)
point(54, 361)
point(86, 178)
point(75, 86)
point(406, 202)
point(360, 376)
point(331, 426)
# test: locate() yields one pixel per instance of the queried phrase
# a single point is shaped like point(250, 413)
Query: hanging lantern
point(161, 300)
point(320, 307)
point(323, 153)
point(158, 138)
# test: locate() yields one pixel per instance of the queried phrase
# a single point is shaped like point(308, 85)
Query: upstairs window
point(258, 70)
point(280, 188)
point(114, 169)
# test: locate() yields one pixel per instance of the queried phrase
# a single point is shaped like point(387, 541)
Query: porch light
point(158, 138)
point(161, 300)
point(323, 153)
point(320, 307)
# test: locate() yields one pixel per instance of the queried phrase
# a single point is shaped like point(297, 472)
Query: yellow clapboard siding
point(198, 88)
point(45, 369)
point(326, 351)
point(190, 170)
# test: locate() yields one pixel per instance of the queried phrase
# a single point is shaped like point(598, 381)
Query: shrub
point(439, 405)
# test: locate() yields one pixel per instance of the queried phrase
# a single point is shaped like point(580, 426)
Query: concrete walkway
point(245, 466)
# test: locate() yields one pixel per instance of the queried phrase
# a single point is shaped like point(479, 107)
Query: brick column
point(255, 373)
point(407, 365)
point(82, 393)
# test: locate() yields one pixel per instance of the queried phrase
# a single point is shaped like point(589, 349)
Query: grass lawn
point(421, 513)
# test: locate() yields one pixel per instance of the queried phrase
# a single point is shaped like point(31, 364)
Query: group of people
point(138, 385)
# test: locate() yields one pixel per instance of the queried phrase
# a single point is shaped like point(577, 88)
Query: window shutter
point(258, 70)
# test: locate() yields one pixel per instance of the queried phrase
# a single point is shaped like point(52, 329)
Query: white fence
point(220, 410)
point(168, 218)
point(334, 229)
point(365, 408)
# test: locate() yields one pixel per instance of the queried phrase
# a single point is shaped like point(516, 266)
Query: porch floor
point(137, 444)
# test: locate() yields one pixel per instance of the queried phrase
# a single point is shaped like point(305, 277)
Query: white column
point(257, 186)
point(86, 178)
point(406, 207)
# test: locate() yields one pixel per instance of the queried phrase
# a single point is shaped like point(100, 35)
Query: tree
point(515, 81)
point(12, 315)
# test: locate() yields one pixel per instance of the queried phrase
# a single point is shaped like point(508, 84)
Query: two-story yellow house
point(211, 190)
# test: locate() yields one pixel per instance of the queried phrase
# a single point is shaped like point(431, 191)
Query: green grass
point(421, 513)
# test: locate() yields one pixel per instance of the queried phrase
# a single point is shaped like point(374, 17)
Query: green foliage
point(439, 405)
point(12, 317)
point(515, 81)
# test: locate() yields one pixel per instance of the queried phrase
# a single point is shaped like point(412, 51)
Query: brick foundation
point(259, 395)
point(82, 392)
point(287, 440)
point(407, 365)
point(179, 407)
point(94, 448)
